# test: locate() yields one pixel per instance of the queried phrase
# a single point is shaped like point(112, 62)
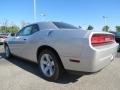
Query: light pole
point(35, 11)
point(105, 21)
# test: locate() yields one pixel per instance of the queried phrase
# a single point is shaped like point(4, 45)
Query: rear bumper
point(93, 60)
point(101, 63)
point(103, 57)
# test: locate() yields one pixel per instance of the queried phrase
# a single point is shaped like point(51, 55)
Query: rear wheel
point(7, 52)
point(49, 65)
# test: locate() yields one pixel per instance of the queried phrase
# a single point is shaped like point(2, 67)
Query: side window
point(19, 33)
point(35, 28)
point(25, 31)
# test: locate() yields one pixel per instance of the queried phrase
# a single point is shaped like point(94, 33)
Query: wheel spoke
point(44, 62)
point(52, 63)
point(46, 69)
point(51, 71)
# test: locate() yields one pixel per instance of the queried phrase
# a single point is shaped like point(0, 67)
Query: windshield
point(62, 25)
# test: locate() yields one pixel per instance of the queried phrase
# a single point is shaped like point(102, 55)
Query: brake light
point(99, 39)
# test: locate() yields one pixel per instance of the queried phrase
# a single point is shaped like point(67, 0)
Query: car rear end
point(104, 49)
point(87, 51)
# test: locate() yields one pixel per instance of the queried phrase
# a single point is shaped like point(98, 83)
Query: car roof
point(45, 25)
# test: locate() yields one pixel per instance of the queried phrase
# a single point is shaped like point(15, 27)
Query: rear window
point(62, 25)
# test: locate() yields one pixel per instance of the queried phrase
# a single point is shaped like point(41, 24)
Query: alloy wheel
point(47, 65)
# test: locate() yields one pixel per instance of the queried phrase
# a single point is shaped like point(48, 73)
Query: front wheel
point(49, 65)
point(7, 52)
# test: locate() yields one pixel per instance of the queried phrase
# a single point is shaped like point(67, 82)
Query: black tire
point(58, 69)
point(7, 52)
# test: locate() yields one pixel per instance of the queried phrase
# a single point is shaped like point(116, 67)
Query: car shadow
point(33, 68)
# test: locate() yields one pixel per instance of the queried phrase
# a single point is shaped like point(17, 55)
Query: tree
point(2, 29)
point(106, 28)
point(117, 28)
point(13, 29)
point(90, 27)
point(10, 29)
point(4, 25)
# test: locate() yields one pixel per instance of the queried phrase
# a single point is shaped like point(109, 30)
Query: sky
point(76, 12)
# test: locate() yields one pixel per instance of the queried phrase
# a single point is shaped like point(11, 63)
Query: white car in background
point(3, 36)
point(57, 46)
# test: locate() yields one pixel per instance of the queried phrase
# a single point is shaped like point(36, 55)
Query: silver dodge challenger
point(58, 46)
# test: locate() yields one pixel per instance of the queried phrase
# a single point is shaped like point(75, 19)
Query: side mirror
point(12, 34)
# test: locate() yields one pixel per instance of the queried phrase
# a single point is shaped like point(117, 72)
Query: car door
point(21, 40)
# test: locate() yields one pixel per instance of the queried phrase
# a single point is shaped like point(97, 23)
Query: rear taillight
point(100, 39)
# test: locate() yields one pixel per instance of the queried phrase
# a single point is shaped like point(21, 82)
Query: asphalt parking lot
point(18, 74)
